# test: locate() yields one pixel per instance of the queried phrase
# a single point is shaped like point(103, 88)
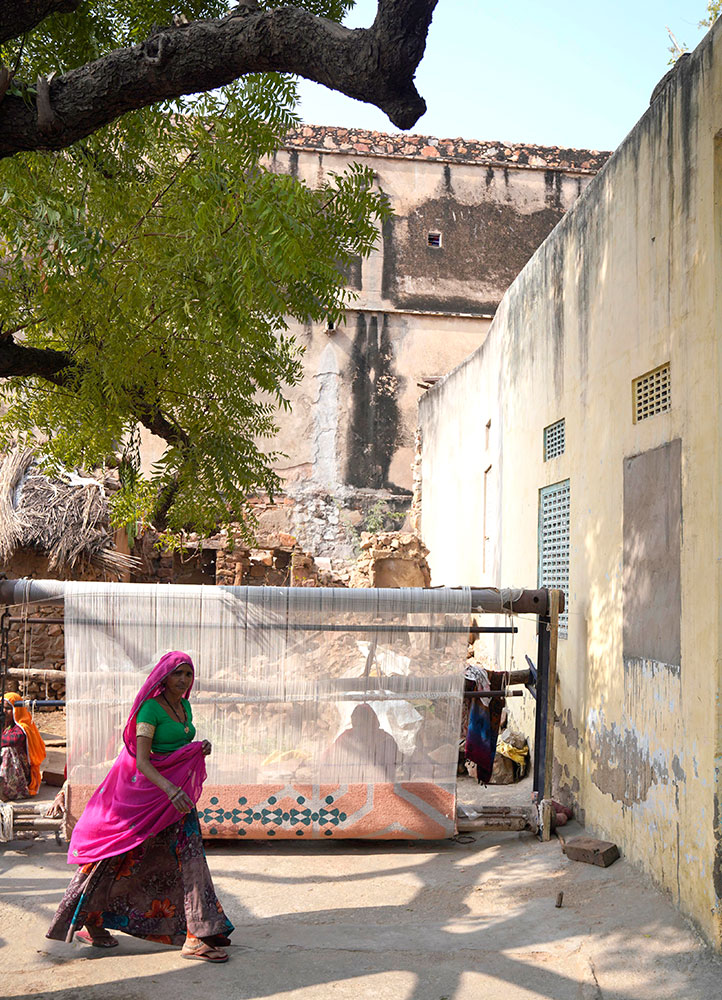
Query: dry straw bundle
point(67, 521)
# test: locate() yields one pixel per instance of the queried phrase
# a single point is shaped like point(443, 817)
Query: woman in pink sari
point(143, 869)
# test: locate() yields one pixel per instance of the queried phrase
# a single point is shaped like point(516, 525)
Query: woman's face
point(8, 713)
point(178, 682)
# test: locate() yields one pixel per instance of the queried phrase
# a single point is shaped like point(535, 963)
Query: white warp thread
point(6, 822)
point(271, 695)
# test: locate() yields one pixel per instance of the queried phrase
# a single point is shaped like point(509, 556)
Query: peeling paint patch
point(717, 867)
point(568, 729)
point(623, 766)
point(677, 769)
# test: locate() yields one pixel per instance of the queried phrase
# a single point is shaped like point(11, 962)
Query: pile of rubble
point(391, 559)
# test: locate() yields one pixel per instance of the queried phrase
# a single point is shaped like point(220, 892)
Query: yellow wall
point(625, 282)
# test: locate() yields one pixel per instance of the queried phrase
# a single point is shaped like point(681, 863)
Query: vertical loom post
point(551, 678)
point(542, 689)
point(551, 689)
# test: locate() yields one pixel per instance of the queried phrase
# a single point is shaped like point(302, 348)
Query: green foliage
point(165, 256)
point(381, 518)
point(714, 9)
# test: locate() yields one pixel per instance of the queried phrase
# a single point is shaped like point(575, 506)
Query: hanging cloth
point(36, 747)
point(127, 808)
point(484, 719)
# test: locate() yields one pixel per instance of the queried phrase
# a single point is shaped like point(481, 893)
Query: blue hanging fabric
point(484, 718)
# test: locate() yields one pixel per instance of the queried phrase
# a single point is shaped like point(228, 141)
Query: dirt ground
point(460, 919)
point(51, 723)
point(451, 920)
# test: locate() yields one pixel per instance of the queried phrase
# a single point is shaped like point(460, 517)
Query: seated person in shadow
point(363, 753)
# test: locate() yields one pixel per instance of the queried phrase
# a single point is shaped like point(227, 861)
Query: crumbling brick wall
point(391, 559)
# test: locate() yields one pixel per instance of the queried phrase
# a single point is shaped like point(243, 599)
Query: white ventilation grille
point(652, 393)
point(554, 544)
point(554, 440)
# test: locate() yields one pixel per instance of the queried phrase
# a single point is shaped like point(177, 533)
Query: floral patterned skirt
point(159, 891)
point(14, 775)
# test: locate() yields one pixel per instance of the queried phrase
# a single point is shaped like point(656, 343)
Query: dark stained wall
point(484, 245)
point(374, 425)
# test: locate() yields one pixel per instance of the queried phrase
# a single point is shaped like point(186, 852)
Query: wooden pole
point(546, 805)
point(551, 690)
point(33, 674)
point(488, 599)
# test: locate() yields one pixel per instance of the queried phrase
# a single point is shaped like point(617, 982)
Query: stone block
point(594, 852)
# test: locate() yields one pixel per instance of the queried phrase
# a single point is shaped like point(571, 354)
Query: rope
point(6, 822)
point(27, 656)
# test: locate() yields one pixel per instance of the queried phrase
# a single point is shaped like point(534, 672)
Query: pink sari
point(127, 808)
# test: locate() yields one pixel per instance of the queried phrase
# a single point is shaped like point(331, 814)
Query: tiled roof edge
point(332, 139)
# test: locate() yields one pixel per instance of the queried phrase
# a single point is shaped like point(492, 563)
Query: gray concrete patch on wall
point(652, 601)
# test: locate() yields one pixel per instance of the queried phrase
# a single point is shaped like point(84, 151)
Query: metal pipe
point(39, 701)
point(319, 627)
point(260, 699)
point(505, 693)
point(20, 620)
point(483, 599)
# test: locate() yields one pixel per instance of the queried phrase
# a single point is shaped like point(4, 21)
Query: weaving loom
point(332, 713)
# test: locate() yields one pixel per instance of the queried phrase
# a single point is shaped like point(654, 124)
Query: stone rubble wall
point(327, 138)
point(391, 559)
point(37, 647)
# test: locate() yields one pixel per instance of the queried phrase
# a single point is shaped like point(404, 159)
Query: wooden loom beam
point(483, 599)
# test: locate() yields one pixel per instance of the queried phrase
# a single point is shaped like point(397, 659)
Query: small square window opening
point(652, 393)
point(554, 440)
point(434, 240)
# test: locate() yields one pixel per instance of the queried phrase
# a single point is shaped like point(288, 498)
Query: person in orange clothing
point(21, 753)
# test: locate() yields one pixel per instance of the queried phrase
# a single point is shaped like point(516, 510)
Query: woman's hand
point(206, 747)
point(181, 801)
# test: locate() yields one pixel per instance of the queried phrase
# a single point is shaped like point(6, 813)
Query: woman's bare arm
point(182, 802)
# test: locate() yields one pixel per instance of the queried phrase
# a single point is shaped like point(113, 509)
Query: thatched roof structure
point(66, 521)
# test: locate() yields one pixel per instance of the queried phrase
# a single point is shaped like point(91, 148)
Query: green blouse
point(168, 734)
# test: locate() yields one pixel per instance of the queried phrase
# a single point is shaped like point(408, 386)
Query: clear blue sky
point(551, 73)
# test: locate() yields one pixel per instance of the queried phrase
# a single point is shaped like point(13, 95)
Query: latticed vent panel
point(554, 440)
point(554, 544)
point(652, 393)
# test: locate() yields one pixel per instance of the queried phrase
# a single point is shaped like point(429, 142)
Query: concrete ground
point(450, 920)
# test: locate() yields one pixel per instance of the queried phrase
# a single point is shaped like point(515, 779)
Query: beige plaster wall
point(630, 279)
point(348, 437)
point(314, 434)
point(436, 304)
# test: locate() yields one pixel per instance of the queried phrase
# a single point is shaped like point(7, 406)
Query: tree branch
point(60, 368)
point(19, 16)
point(375, 65)
point(15, 359)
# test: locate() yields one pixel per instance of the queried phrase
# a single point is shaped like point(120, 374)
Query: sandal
point(203, 952)
point(103, 941)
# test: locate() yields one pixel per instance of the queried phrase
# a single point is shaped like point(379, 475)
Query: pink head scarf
point(127, 808)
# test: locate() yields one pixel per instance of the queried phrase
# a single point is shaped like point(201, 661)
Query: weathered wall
point(629, 280)
point(420, 309)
